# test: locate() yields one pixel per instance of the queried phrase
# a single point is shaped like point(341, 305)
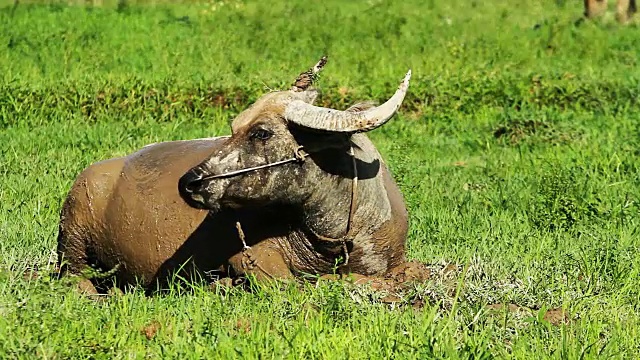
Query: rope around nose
point(298, 156)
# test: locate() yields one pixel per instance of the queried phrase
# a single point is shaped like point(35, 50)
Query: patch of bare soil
point(393, 288)
point(555, 316)
point(151, 329)
point(243, 326)
point(409, 272)
point(398, 288)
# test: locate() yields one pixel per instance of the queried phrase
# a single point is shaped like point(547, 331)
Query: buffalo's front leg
point(263, 260)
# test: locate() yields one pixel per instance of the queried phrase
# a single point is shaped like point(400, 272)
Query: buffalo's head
point(257, 164)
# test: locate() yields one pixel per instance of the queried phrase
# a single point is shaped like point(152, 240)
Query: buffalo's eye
point(261, 134)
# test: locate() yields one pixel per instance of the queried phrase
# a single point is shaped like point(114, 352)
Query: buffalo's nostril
point(190, 183)
point(193, 186)
point(189, 186)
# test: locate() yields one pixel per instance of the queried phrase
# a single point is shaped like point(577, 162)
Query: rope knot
point(299, 154)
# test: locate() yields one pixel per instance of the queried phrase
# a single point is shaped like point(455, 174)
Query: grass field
point(517, 151)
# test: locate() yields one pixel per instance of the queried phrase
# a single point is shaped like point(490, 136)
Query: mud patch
point(554, 316)
point(243, 326)
point(151, 330)
point(409, 272)
point(557, 317)
point(399, 286)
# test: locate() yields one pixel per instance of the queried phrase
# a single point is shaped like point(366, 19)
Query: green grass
point(516, 150)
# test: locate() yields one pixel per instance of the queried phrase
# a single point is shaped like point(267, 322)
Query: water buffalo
point(296, 189)
point(316, 162)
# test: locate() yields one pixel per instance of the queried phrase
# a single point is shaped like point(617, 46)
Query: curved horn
point(306, 79)
point(320, 118)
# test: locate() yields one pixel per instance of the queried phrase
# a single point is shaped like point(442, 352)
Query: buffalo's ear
point(315, 141)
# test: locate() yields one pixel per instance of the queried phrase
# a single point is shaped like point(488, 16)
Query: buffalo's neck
point(326, 212)
point(328, 208)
